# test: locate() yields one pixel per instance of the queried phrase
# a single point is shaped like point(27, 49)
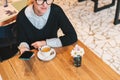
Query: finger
point(33, 44)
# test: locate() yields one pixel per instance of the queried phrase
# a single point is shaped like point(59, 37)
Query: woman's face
point(40, 9)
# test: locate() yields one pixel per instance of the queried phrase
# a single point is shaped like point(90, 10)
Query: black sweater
point(26, 32)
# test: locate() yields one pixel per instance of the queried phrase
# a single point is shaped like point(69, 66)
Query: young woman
point(38, 23)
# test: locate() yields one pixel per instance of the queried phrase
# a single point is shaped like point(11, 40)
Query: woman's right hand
point(38, 44)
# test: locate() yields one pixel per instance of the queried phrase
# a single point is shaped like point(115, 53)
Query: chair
point(8, 46)
point(117, 20)
point(96, 8)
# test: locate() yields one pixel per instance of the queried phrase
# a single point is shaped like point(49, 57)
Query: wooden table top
point(8, 21)
point(59, 68)
point(18, 5)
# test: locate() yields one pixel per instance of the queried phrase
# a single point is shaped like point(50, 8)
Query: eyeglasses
point(40, 2)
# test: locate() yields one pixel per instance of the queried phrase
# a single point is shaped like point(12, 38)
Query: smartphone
point(26, 55)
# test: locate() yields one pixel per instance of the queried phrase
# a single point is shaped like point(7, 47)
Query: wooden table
point(60, 68)
point(18, 5)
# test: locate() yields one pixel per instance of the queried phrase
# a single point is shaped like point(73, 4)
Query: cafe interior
point(97, 24)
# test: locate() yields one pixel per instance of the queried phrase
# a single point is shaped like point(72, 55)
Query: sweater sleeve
point(70, 35)
point(54, 42)
point(20, 33)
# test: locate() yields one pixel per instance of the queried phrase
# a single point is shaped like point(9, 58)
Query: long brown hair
point(30, 2)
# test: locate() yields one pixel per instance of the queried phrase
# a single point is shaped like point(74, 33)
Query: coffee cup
point(46, 50)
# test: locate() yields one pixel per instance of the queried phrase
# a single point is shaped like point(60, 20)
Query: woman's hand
point(38, 44)
point(23, 49)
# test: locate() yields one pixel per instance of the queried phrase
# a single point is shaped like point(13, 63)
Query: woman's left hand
point(38, 44)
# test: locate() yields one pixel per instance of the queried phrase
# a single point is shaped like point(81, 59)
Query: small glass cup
point(77, 61)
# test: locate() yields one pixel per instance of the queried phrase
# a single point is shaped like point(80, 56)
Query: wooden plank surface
point(17, 5)
point(60, 68)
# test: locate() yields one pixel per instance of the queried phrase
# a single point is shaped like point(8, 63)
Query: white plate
point(48, 58)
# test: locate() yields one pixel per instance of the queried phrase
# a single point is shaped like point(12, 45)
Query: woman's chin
point(43, 12)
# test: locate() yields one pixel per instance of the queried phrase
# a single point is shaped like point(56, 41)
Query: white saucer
point(48, 58)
